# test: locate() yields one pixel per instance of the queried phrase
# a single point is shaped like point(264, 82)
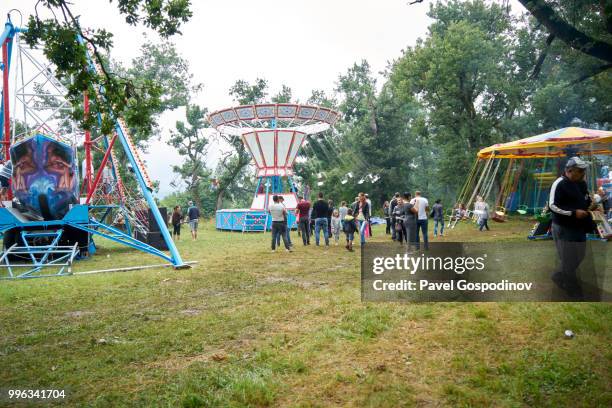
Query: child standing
point(349, 227)
point(336, 225)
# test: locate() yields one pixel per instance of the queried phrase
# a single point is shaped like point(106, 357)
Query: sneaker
point(289, 250)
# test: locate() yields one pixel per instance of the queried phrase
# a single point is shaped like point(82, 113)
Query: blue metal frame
point(63, 256)
point(175, 259)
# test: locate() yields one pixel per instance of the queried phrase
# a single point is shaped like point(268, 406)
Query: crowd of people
point(322, 218)
point(406, 216)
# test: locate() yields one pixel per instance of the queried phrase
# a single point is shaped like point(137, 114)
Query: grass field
point(247, 327)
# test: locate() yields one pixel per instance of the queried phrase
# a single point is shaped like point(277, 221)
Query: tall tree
point(191, 143)
point(464, 75)
point(283, 96)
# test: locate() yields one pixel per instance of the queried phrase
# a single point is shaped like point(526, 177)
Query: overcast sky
point(303, 44)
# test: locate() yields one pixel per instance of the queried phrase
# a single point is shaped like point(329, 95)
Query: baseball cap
point(576, 162)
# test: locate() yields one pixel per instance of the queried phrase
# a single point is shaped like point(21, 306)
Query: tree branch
point(567, 33)
point(591, 74)
point(538, 65)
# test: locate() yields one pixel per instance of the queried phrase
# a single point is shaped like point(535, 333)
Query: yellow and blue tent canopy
point(553, 144)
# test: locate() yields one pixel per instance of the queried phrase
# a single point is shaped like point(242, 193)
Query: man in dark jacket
point(569, 203)
point(319, 214)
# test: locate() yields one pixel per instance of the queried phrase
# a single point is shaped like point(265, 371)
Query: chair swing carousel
point(516, 176)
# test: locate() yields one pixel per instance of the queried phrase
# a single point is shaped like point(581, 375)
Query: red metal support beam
point(101, 169)
point(88, 164)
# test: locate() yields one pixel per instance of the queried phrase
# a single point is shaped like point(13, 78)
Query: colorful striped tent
point(553, 144)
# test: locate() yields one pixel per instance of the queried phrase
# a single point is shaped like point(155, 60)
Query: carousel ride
point(516, 176)
point(52, 206)
point(273, 134)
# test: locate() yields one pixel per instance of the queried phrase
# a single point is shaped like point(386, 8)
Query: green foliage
point(191, 143)
point(284, 96)
point(64, 44)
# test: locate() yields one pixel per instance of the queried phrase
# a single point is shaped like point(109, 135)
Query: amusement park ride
point(517, 175)
point(46, 220)
point(273, 134)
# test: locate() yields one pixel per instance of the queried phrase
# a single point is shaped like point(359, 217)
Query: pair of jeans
point(421, 226)
point(400, 234)
point(436, 222)
point(362, 229)
point(571, 249)
point(393, 231)
point(305, 230)
point(321, 224)
point(388, 230)
point(279, 230)
point(287, 234)
point(484, 223)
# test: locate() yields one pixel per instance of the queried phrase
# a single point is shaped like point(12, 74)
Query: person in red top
point(303, 213)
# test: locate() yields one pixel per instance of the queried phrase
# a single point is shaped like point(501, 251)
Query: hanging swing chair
point(522, 209)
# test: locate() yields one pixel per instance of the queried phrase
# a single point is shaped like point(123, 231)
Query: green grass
point(247, 327)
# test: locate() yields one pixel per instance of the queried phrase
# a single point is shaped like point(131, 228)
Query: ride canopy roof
point(553, 144)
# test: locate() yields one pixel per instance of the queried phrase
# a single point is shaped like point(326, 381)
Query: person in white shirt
point(422, 206)
point(481, 209)
point(279, 226)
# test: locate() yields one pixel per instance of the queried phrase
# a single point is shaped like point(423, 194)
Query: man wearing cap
point(569, 203)
point(193, 214)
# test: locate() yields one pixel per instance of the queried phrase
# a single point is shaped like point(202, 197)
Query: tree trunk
point(220, 194)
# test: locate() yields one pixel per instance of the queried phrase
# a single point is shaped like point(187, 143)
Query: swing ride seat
point(499, 215)
point(522, 210)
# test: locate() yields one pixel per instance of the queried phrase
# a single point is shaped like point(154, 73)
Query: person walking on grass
point(342, 211)
point(570, 203)
point(408, 214)
point(422, 206)
point(319, 214)
point(279, 225)
point(398, 223)
point(336, 225)
point(387, 214)
point(303, 212)
point(437, 212)
point(193, 214)
point(176, 218)
point(481, 209)
point(281, 200)
point(349, 227)
point(361, 211)
point(330, 211)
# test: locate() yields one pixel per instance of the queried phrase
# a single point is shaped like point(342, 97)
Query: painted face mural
point(44, 176)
